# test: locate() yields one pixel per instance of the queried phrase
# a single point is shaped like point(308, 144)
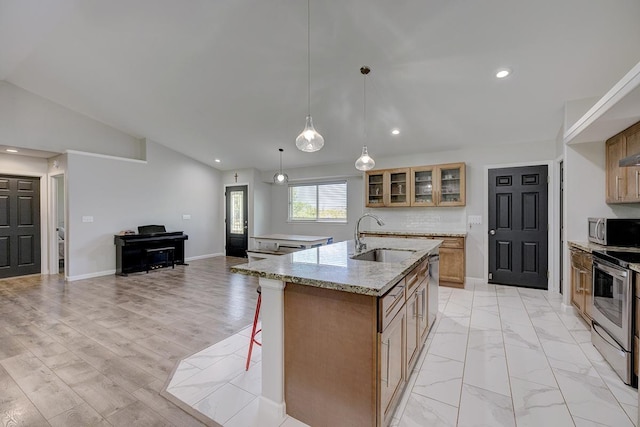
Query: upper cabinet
point(435, 185)
point(390, 187)
point(623, 183)
point(451, 185)
point(399, 187)
point(375, 189)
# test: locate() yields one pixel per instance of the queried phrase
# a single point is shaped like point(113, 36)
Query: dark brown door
point(518, 226)
point(237, 221)
point(19, 226)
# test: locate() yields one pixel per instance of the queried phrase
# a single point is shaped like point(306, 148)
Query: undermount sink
point(384, 255)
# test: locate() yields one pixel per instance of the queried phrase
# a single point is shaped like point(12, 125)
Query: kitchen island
point(341, 335)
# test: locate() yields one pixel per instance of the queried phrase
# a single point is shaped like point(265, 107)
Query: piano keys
point(135, 252)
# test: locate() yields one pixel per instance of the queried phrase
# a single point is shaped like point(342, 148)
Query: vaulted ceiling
point(227, 79)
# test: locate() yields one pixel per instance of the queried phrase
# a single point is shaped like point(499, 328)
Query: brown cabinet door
point(412, 347)
point(399, 187)
point(451, 182)
point(423, 186)
point(632, 139)
point(374, 189)
point(392, 366)
point(577, 292)
point(423, 311)
point(451, 265)
point(616, 176)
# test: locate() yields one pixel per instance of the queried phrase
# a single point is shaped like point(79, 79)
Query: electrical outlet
point(474, 219)
point(186, 216)
point(87, 219)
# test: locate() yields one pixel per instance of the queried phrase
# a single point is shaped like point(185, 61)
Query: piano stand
point(139, 252)
point(153, 253)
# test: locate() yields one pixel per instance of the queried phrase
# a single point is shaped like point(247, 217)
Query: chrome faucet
point(360, 246)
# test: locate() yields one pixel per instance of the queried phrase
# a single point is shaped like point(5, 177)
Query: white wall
point(30, 121)
point(125, 194)
point(419, 219)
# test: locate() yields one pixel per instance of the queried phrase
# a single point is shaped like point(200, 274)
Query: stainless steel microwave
point(615, 231)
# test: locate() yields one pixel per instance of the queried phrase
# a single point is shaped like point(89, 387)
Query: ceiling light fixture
point(365, 162)
point(502, 73)
point(217, 160)
point(11, 150)
point(280, 178)
point(395, 132)
point(309, 140)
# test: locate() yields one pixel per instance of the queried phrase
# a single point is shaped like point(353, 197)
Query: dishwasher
point(434, 283)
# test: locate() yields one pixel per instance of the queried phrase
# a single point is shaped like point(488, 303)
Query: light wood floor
point(98, 351)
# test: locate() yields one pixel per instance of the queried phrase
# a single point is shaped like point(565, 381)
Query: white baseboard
point(193, 258)
point(474, 281)
point(90, 275)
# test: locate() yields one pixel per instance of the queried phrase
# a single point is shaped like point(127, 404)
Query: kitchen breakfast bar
point(341, 331)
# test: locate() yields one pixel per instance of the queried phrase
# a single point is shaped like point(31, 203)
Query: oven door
point(611, 300)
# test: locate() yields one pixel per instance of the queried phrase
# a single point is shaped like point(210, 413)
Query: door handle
point(492, 232)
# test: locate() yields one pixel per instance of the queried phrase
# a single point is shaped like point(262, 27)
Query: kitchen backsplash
point(429, 220)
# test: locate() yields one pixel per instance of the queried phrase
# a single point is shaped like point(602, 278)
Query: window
point(325, 202)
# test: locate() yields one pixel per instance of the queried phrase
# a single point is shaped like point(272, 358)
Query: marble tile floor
point(497, 356)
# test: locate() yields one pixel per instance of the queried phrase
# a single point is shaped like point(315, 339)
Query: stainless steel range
point(612, 309)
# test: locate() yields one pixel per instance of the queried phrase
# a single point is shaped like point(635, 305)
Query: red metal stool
point(253, 331)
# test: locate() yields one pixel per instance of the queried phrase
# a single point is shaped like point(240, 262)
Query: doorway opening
point(59, 231)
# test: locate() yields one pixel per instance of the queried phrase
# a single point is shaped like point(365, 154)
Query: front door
point(19, 226)
point(237, 221)
point(518, 226)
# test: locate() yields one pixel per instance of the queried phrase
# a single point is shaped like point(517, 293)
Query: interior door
point(237, 222)
point(19, 226)
point(518, 226)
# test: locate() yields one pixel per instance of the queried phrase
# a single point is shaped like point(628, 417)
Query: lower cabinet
point(581, 282)
point(452, 255)
point(348, 356)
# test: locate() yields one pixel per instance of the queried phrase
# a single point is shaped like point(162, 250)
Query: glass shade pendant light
point(280, 178)
point(365, 162)
point(309, 140)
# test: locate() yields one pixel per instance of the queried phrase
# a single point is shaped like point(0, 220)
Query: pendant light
point(365, 162)
point(280, 178)
point(309, 140)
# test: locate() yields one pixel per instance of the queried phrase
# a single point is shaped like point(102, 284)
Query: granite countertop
point(416, 233)
point(590, 247)
point(331, 266)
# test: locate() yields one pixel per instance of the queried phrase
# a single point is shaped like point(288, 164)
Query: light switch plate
point(87, 219)
point(186, 216)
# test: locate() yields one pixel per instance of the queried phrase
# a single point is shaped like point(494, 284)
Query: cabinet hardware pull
point(618, 188)
point(637, 186)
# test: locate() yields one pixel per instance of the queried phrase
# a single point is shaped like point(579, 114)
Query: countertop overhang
point(332, 267)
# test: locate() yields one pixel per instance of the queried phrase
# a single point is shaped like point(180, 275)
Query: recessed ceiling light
point(11, 150)
point(395, 131)
point(502, 73)
point(218, 160)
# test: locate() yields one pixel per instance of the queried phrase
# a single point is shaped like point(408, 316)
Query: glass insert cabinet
point(433, 185)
